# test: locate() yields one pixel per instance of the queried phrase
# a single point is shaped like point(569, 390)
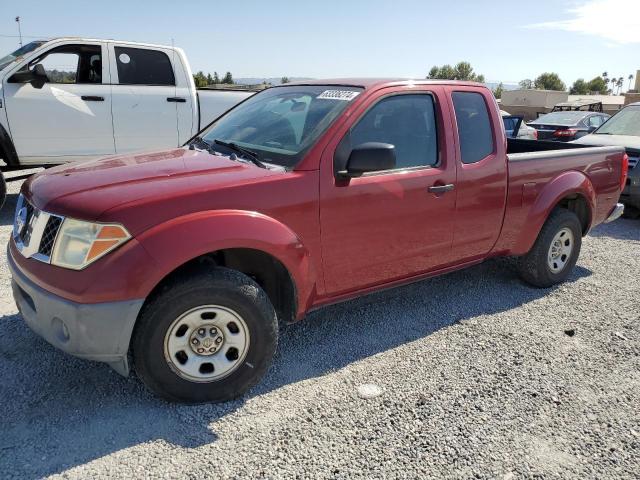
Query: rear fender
point(176, 242)
point(564, 185)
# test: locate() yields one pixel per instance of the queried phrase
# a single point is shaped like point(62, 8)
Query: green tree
point(598, 85)
point(630, 79)
point(228, 79)
point(200, 79)
point(216, 78)
point(549, 81)
point(462, 71)
point(497, 92)
point(526, 84)
point(579, 87)
point(284, 80)
point(209, 79)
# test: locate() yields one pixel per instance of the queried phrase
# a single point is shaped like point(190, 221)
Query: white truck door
point(145, 98)
point(69, 118)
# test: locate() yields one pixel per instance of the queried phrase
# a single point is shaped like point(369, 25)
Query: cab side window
point(72, 64)
point(406, 121)
point(140, 66)
point(474, 126)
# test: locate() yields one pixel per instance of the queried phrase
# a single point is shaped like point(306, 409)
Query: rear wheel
point(555, 252)
point(3, 189)
point(206, 337)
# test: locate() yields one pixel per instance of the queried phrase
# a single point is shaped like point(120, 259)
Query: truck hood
point(86, 190)
point(627, 141)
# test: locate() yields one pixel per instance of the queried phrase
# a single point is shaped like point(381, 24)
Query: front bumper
point(98, 331)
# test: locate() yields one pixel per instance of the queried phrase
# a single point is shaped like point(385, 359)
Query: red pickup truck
point(184, 261)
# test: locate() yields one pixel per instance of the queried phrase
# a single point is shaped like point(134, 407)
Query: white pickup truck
point(70, 99)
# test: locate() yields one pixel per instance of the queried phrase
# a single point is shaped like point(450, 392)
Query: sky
point(504, 40)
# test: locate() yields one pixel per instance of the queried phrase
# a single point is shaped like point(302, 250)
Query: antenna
point(19, 31)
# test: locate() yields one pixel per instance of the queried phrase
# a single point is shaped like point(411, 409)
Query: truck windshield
point(29, 47)
point(280, 124)
point(625, 122)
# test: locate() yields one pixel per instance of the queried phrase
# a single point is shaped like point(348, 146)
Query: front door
point(70, 116)
point(392, 224)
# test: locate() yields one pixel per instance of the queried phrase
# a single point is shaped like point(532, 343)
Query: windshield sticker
point(345, 95)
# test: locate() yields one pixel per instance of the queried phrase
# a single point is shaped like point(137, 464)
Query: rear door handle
point(92, 98)
point(441, 188)
point(176, 99)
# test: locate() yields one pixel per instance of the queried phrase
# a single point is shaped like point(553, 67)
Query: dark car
point(566, 126)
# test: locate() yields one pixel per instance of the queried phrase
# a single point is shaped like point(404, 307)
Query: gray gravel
point(479, 376)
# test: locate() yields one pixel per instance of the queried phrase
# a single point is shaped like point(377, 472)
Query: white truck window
point(72, 64)
point(139, 66)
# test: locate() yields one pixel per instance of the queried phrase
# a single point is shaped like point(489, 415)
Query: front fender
point(564, 185)
point(174, 243)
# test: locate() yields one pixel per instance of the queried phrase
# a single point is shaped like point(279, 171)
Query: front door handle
point(92, 98)
point(176, 99)
point(441, 188)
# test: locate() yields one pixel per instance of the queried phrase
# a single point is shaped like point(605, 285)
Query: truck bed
point(534, 164)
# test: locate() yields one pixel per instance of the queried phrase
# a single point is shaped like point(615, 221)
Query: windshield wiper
point(248, 154)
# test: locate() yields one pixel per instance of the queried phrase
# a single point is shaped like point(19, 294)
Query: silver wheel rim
point(560, 250)
point(206, 343)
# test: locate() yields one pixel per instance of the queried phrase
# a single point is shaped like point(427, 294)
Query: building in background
point(533, 103)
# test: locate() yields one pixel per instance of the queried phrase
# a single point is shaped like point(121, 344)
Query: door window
point(72, 64)
point(139, 66)
point(407, 122)
point(596, 121)
point(474, 126)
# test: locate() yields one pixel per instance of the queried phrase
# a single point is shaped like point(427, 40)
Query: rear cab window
point(141, 66)
point(474, 126)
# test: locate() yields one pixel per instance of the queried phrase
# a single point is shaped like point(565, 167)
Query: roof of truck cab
point(371, 83)
point(85, 39)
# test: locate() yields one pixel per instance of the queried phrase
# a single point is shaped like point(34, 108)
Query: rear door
point(148, 99)
point(389, 225)
point(482, 173)
point(70, 116)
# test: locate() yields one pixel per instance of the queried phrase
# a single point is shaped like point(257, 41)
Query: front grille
point(49, 236)
point(35, 231)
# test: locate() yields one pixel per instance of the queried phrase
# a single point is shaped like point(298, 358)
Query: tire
point(538, 267)
point(216, 295)
point(3, 190)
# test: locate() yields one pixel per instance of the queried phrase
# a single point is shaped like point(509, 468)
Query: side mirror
point(370, 157)
point(36, 77)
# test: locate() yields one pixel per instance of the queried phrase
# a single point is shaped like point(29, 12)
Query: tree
point(526, 84)
point(619, 82)
point(549, 81)
point(200, 80)
point(284, 80)
point(209, 79)
point(462, 71)
point(216, 78)
point(228, 79)
point(579, 87)
point(497, 92)
point(598, 85)
point(630, 79)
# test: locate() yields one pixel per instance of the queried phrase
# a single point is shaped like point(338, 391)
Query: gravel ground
point(478, 375)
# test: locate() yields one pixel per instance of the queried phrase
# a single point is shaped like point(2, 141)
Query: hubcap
point(560, 250)
point(206, 343)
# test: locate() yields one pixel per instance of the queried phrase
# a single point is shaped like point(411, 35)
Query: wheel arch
point(252, 243)
point(571, 190)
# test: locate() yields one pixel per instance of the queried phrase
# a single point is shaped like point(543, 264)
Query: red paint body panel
point(338, 239)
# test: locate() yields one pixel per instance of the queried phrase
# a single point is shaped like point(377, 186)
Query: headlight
point(80, 243)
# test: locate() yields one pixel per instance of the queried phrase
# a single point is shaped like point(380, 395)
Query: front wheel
point(555, 252)
point(206, 337)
